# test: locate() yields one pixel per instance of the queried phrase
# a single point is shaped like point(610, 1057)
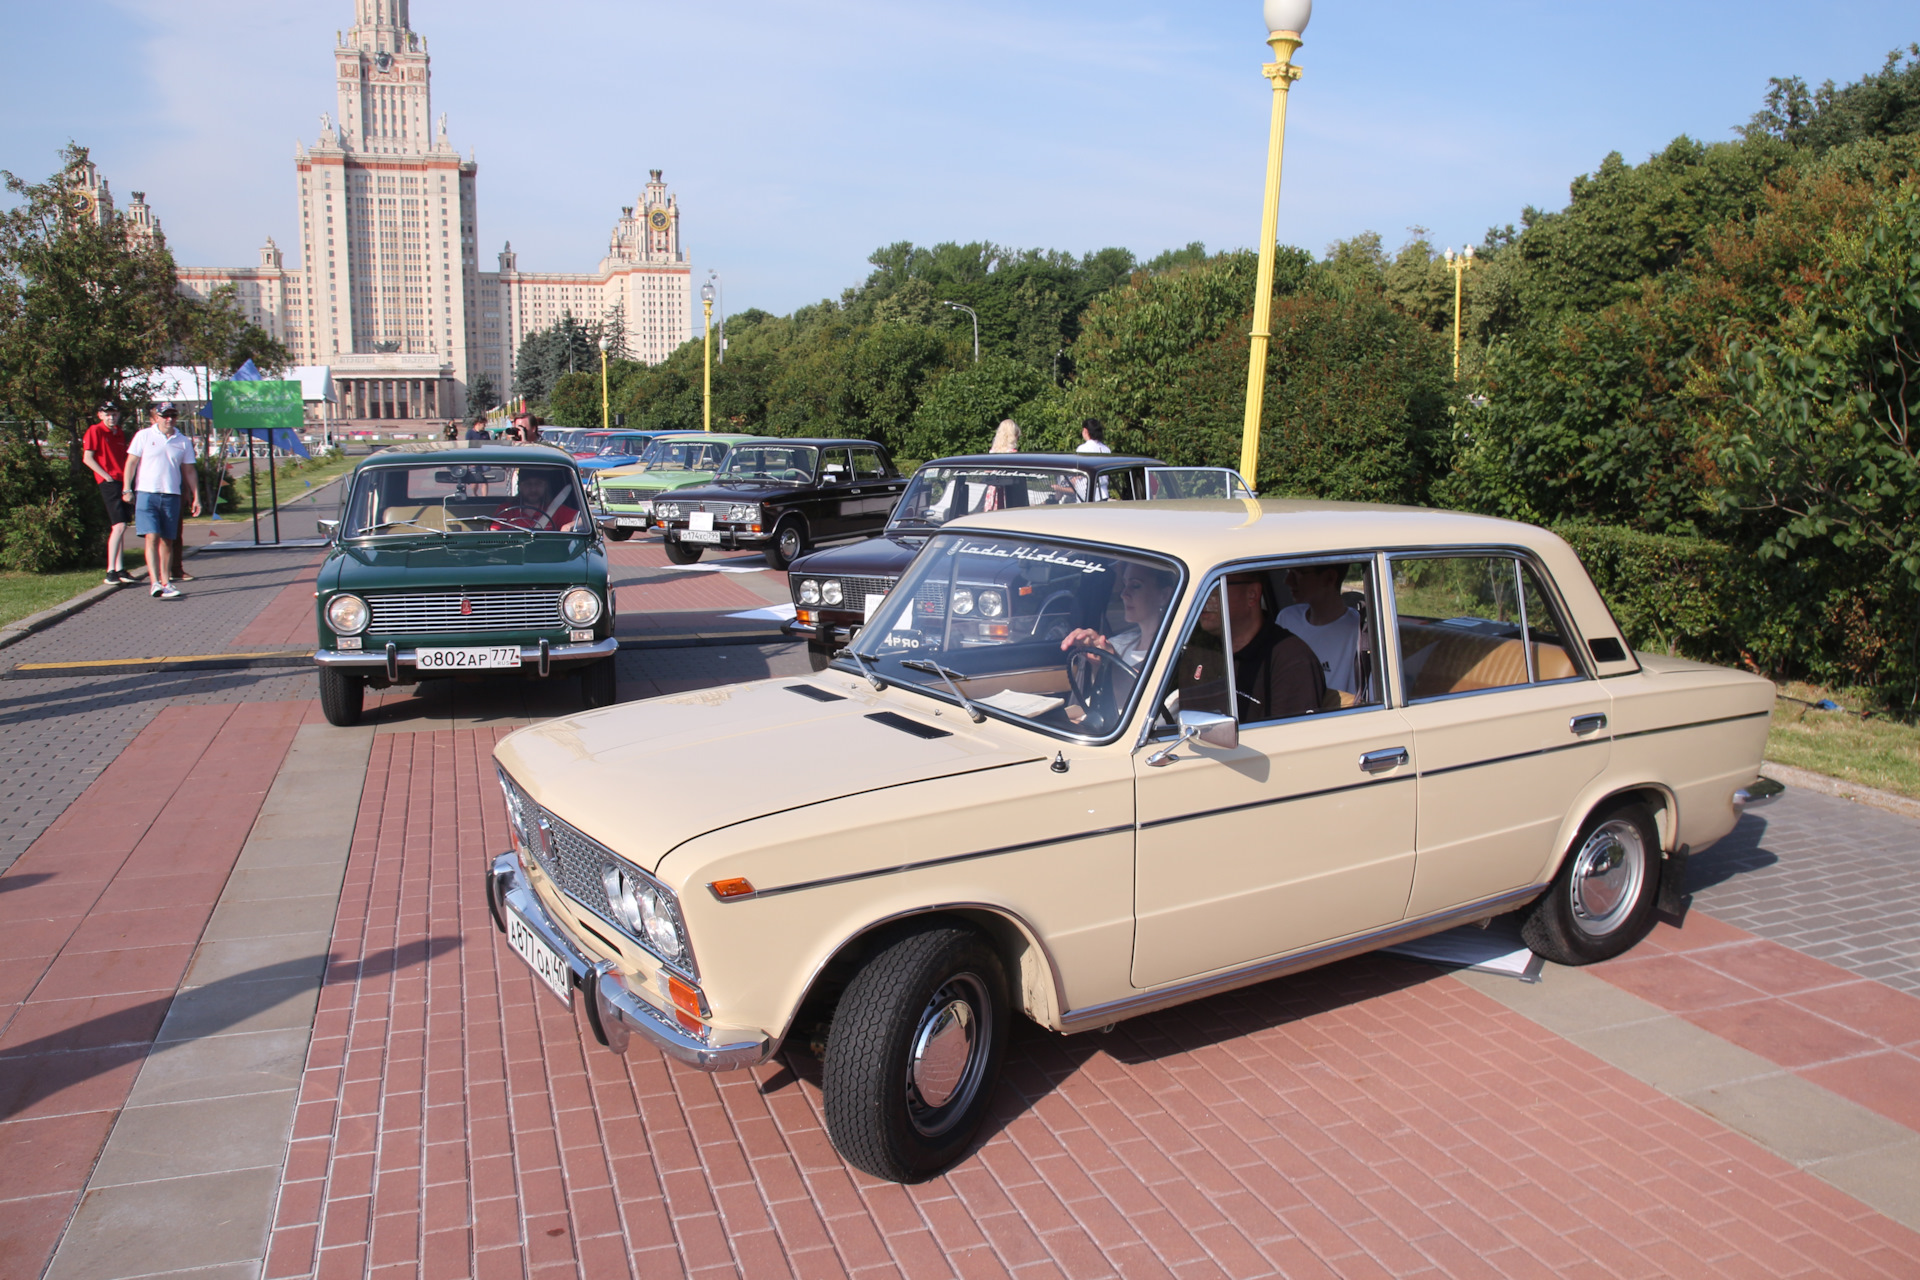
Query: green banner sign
point(257, 406)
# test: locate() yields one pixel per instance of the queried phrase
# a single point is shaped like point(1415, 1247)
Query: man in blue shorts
point(159, 462)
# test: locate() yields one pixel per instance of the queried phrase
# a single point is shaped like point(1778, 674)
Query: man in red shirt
point(104, 449)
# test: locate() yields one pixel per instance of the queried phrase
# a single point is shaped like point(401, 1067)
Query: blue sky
point(799, 137)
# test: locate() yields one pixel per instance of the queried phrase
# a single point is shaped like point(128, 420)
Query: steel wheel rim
point(947, 1055)
point(789, 543)
point(1608, 872)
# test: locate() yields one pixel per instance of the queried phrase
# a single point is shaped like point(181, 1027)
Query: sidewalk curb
point(1827, 785)
point(14, 632)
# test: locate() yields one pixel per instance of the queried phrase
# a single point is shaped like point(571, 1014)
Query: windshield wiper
point(934, 668)
point(390, 524)
point(878, 684)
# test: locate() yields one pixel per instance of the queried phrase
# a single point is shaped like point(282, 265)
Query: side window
point(834, 466)
point(1546, 632)
point(867, 465)
point(1309, 644)
point(1460, 624)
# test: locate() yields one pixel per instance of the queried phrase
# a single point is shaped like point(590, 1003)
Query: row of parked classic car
point(1076, 748)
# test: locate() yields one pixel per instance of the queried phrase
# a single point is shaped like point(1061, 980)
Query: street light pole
point(1286, 19)
point(720, 296)
point(706, 300)
point(976, 325)
point(1458, 265)
point(603, 382)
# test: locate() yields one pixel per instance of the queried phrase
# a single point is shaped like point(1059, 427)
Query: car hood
point(657, 481)
point(883, 557)
point(740, 491)
point(475, 560)
point(646, 777)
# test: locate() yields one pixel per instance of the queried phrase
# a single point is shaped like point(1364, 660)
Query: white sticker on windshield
point(1039, 555)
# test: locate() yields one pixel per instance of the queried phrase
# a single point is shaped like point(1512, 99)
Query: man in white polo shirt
point(1321, 617)
point(159, 462)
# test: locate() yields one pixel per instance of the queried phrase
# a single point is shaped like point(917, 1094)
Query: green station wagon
point(623, 496)
point(463, 562)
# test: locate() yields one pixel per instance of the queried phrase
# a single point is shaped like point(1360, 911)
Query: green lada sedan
point(463, 562)
point(623, 496)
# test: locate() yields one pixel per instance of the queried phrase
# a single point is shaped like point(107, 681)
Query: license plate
point(477, 658)
point(699, 535)
point(700, 520)
point(631, 522)
point(543, 959)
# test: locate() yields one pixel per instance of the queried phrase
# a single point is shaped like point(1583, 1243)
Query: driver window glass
point(866, 465)
point(1303, 640)
point(1459, 624)
point(834, 466)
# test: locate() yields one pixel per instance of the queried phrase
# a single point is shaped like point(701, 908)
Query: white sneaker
point(168, 592)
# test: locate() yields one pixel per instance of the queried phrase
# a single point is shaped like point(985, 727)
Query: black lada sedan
point(780, 497)
point(835, 590)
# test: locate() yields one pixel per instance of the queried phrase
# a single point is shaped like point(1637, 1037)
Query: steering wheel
point(1090, 678)
point(518, 518)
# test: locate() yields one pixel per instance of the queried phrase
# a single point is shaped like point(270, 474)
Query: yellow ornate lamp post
point(1286, 19)
point(706, 300)
point(603, 384)
point(1458, 264)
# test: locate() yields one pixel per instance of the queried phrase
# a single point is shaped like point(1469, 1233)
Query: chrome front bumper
point(616, 1011)
point(536, 654)
point(1756, 793)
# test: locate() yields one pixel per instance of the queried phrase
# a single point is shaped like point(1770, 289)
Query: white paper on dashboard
point(1014, 702)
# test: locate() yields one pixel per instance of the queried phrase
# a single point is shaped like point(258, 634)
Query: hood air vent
point(894, 720)
point(818, 695)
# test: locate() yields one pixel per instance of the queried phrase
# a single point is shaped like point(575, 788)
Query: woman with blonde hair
point(1007, 438)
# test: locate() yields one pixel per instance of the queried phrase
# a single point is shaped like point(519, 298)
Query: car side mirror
point(330, 528)
point(1209, 727)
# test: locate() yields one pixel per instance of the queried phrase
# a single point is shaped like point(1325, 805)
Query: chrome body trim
point(394, 658)
point(618, 1010)
point(1100, 1015)
point(1759, 792)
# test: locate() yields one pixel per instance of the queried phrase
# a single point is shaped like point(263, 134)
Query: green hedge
point(1688, 596)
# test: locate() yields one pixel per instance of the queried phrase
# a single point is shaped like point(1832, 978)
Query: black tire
point(684, 552)
point(619, 535)
point(599, 685)
point(1602, 900)
point(819, 655)
point(789, 544)
point(920, 988)
point(341, 697)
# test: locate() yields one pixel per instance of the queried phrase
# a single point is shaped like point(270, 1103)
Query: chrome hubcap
point(1608, 873)
point(947, 1055)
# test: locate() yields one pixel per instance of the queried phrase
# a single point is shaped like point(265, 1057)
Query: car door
point(872, 496)
point(833, 490)
point(1507, 725)
point(1301, 834)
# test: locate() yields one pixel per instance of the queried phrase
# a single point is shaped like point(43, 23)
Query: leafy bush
point(44, 524)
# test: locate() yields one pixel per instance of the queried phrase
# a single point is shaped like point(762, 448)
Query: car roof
point(818, 442)
point(502, 454)
point(725, 437)
point(1078, 461)
point(1206, 531)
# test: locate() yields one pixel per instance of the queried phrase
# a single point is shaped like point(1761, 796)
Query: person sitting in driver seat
point(1145, 593)
point(542, 502)
point(1275, 673)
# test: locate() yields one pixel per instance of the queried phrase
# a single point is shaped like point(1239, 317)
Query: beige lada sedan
point(1276, 734)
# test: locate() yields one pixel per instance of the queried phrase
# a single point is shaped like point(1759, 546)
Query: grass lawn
point(1873, 752)
point(23, 594)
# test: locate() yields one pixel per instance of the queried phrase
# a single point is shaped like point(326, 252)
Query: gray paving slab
point(1833, 879)
point(162, 1140)
point(223, 1066)
point(172, 1224)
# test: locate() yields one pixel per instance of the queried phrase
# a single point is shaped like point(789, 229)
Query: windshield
point(1045, 632)
point(939, 494)
point(400, 501)
point(684, 455)
point(630, 446)
point(771, 462)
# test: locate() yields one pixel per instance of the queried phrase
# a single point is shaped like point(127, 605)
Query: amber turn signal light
point(737, 887)
point(685, 998)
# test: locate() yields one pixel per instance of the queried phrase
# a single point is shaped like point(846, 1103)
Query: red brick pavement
point(287, 622)
point(1854, 1036)
point(98, 922)
point(1373, 1118)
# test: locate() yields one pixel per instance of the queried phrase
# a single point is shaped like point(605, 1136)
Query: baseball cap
point(164, 408)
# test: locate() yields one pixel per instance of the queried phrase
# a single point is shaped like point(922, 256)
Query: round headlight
point(642, 910)
point(809, 592)
point(667, 510)
point(831, 593)
point(744, 513)
point(962, 601)
point(347, 615)
point(580, 606)
point(992, 604)
point(656, 924)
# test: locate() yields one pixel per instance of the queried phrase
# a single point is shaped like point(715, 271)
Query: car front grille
point(627, 497)
point(854, 590)
point(420, 613)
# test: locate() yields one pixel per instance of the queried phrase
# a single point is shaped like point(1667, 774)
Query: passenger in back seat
point(1321, 618)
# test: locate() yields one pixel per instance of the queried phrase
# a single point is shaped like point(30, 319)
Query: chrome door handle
point(1587, 724)
point(1384, 759)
